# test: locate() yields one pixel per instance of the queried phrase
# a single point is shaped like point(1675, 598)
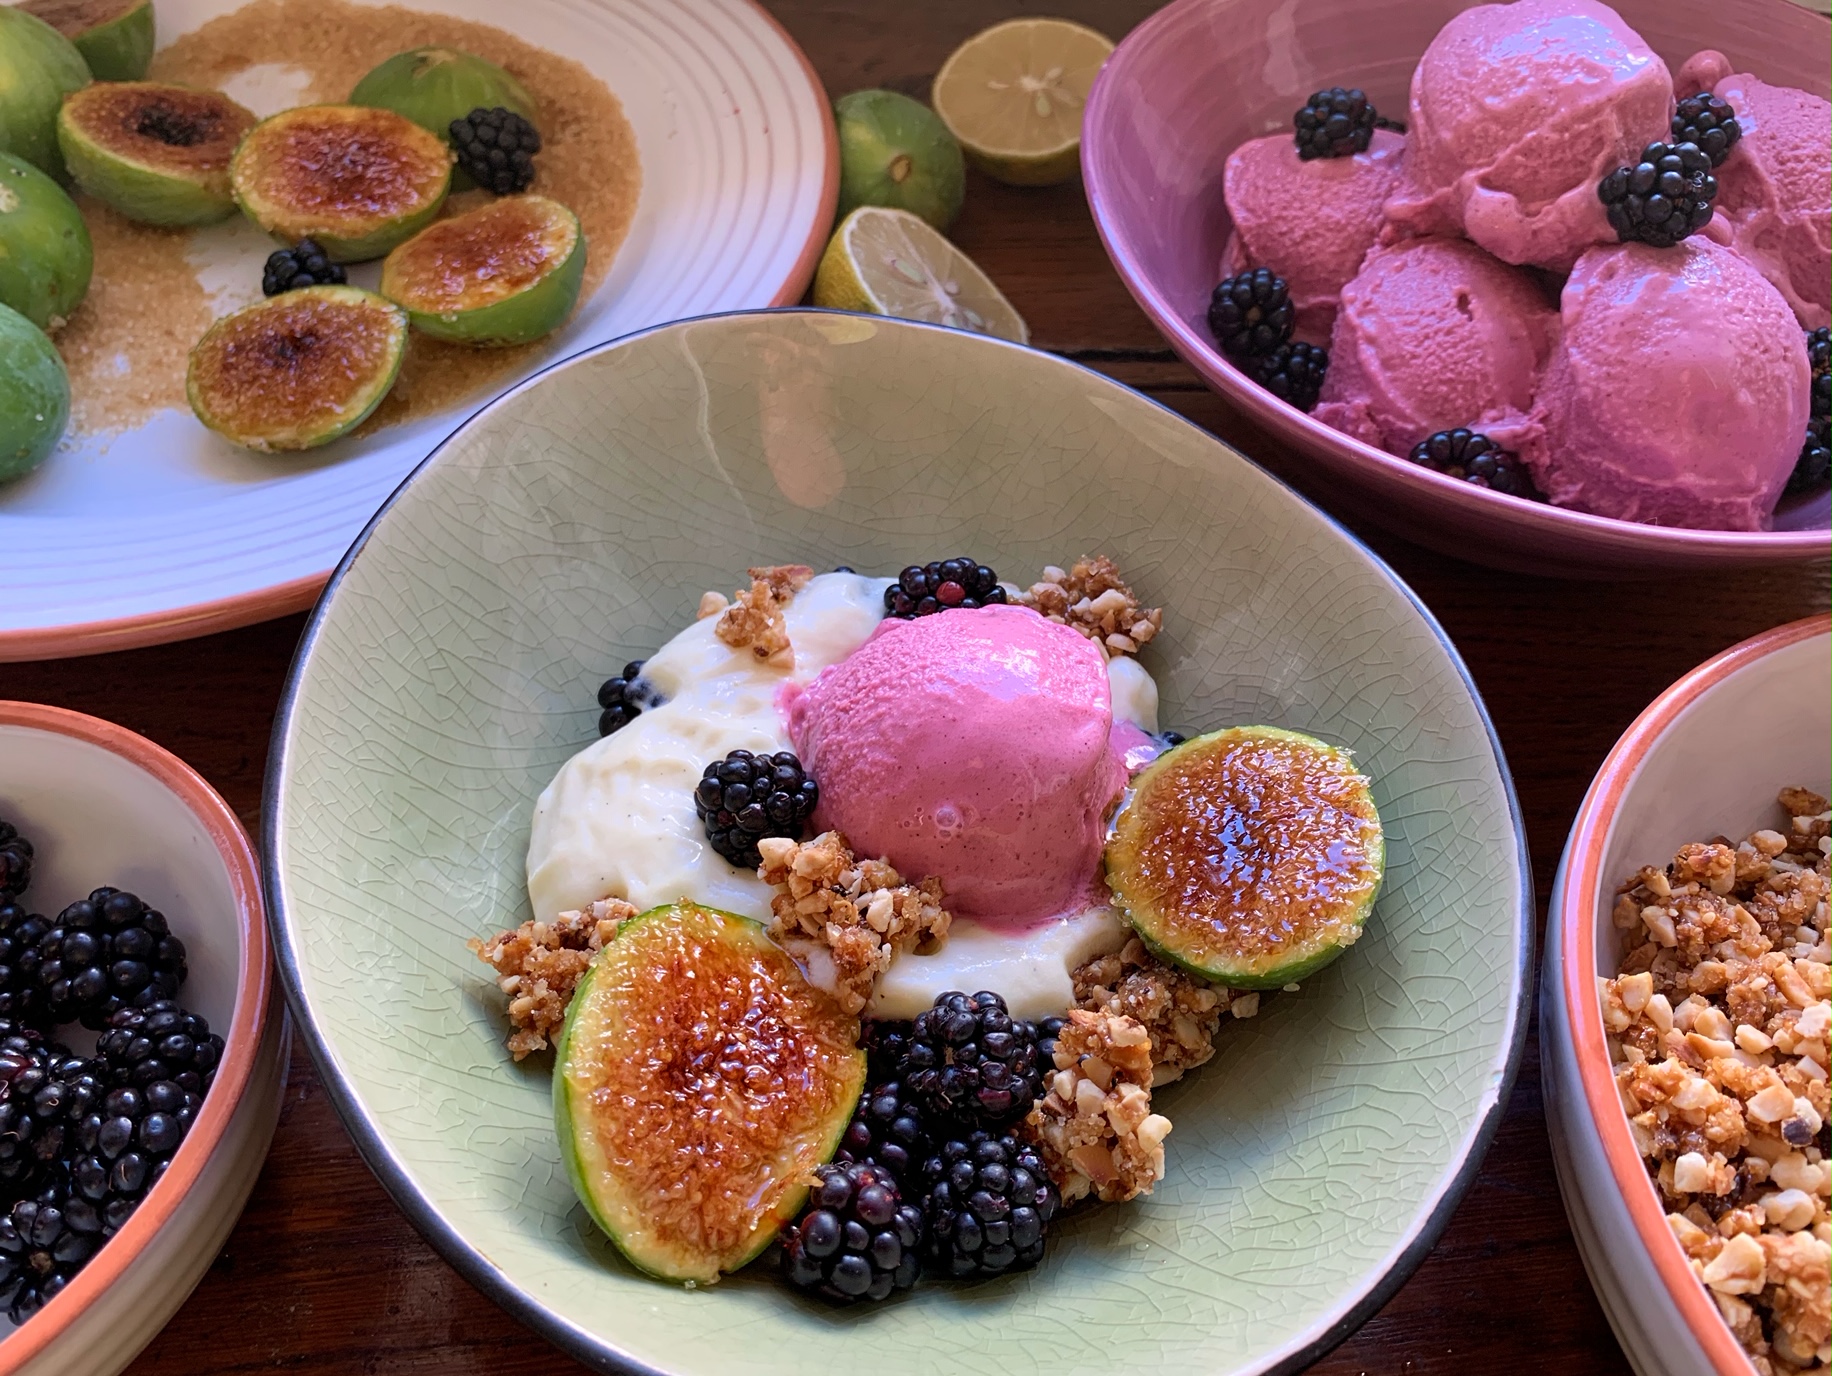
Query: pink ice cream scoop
point(1518, 111)
point(1310, 222)
point(1433, 334)
point(1775, 189)
point(974, 746)
point(1679, 393)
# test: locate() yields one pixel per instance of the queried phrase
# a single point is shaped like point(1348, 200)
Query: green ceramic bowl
point(573, 524)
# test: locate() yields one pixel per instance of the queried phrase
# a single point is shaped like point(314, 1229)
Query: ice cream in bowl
point(1539, 283)
point(935, 850)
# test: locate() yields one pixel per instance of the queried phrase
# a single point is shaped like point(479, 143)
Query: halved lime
point(890, 262)
point(1013, 95)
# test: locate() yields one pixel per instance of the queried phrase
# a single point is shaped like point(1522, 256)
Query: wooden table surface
point(323, 1275)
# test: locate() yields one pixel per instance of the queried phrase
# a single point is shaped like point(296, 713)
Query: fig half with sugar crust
point(505, 273)
point(115, 37)
point(356, 180)
point(687, 996)
point(1249, 856)
point(297, 370)
point(157, 154)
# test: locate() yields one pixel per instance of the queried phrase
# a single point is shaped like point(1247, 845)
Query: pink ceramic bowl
point(1200, 77)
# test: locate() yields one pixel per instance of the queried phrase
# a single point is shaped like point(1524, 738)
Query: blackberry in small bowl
point(989, 1206)
point(1334, 124)
point(44, 1241)
point(1664, 198)
point(857, 1240)
point(497, 148)
point(1709, 122)
point(1814, 465)
point(1250, 314)
point(621, 699)
point(160, 1042)
point(105, 952)
point(1294, 373)
point(1477, 460)
point(46, 1098)
point(745, 797)
point(969, 1062)
point(124, 1144)
point(302, 265)
point(942, 585)
point(887, 1130)
point(15, 861)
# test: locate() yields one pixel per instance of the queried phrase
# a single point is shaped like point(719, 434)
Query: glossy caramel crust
point(171, 129)
point(343, 168)
point(482, 257)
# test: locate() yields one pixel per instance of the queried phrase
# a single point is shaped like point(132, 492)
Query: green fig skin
point(38, 68)
point(34, 396)
point(45, 253)
point(116, 46)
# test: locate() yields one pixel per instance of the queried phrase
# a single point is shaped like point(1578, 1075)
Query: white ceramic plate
point(168, 531)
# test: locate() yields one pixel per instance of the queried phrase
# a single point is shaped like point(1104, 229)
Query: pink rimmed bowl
point(1706, 758)
point(1200, 77)
point(102, 805)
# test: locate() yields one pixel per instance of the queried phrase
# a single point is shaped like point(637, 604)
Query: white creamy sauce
point(618, 821)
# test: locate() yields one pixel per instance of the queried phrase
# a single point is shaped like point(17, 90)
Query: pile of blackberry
point(931, 1167)
point(84, 1137)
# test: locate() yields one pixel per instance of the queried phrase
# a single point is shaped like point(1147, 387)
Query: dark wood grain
point(323, 1275)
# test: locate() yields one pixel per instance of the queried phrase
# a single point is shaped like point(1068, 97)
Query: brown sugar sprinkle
point(860, 910)
point(538, 965)
point(1094, 1128)
point(1718, 1027)
point(126, 346)
point(1092, 598)
point(754, 617)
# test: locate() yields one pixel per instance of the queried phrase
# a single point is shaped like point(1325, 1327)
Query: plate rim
point(140, 629)
point(477, 1268)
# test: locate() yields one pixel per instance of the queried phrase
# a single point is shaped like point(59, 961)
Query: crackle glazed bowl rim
point(1553, 531)
point(1498, 1043)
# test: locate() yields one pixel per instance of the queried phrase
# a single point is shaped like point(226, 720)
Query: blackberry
point(622, 698)
point(1477, 460)
point(25, 1067)
point(1708, 122)
point(1046, 1030)
point(969, 1062)
point(857, 1240)
point(1815, 461)
point(884, 1043)
point(744, 797)
point(15, 861)
point(1294, 373)
point(124, 1144)
point(107, 951)
point(887, 1130)
point(1663, 198)
point(1171, 739)
point(1334, 124)
point(20, 933)
point(44, 1241)
point(47, 1097)
point(1819, 357)
point(141, 1046)
point(989, 1206)
point(302, 265)
point(1250, 313)
point(497, 148)
point(941, 585)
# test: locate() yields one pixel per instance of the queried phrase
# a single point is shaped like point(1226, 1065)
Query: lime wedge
point(1013, 95)
point(890, 262)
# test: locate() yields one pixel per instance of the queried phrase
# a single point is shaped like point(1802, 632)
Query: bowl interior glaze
point(574, 524)
point(1201, 77)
